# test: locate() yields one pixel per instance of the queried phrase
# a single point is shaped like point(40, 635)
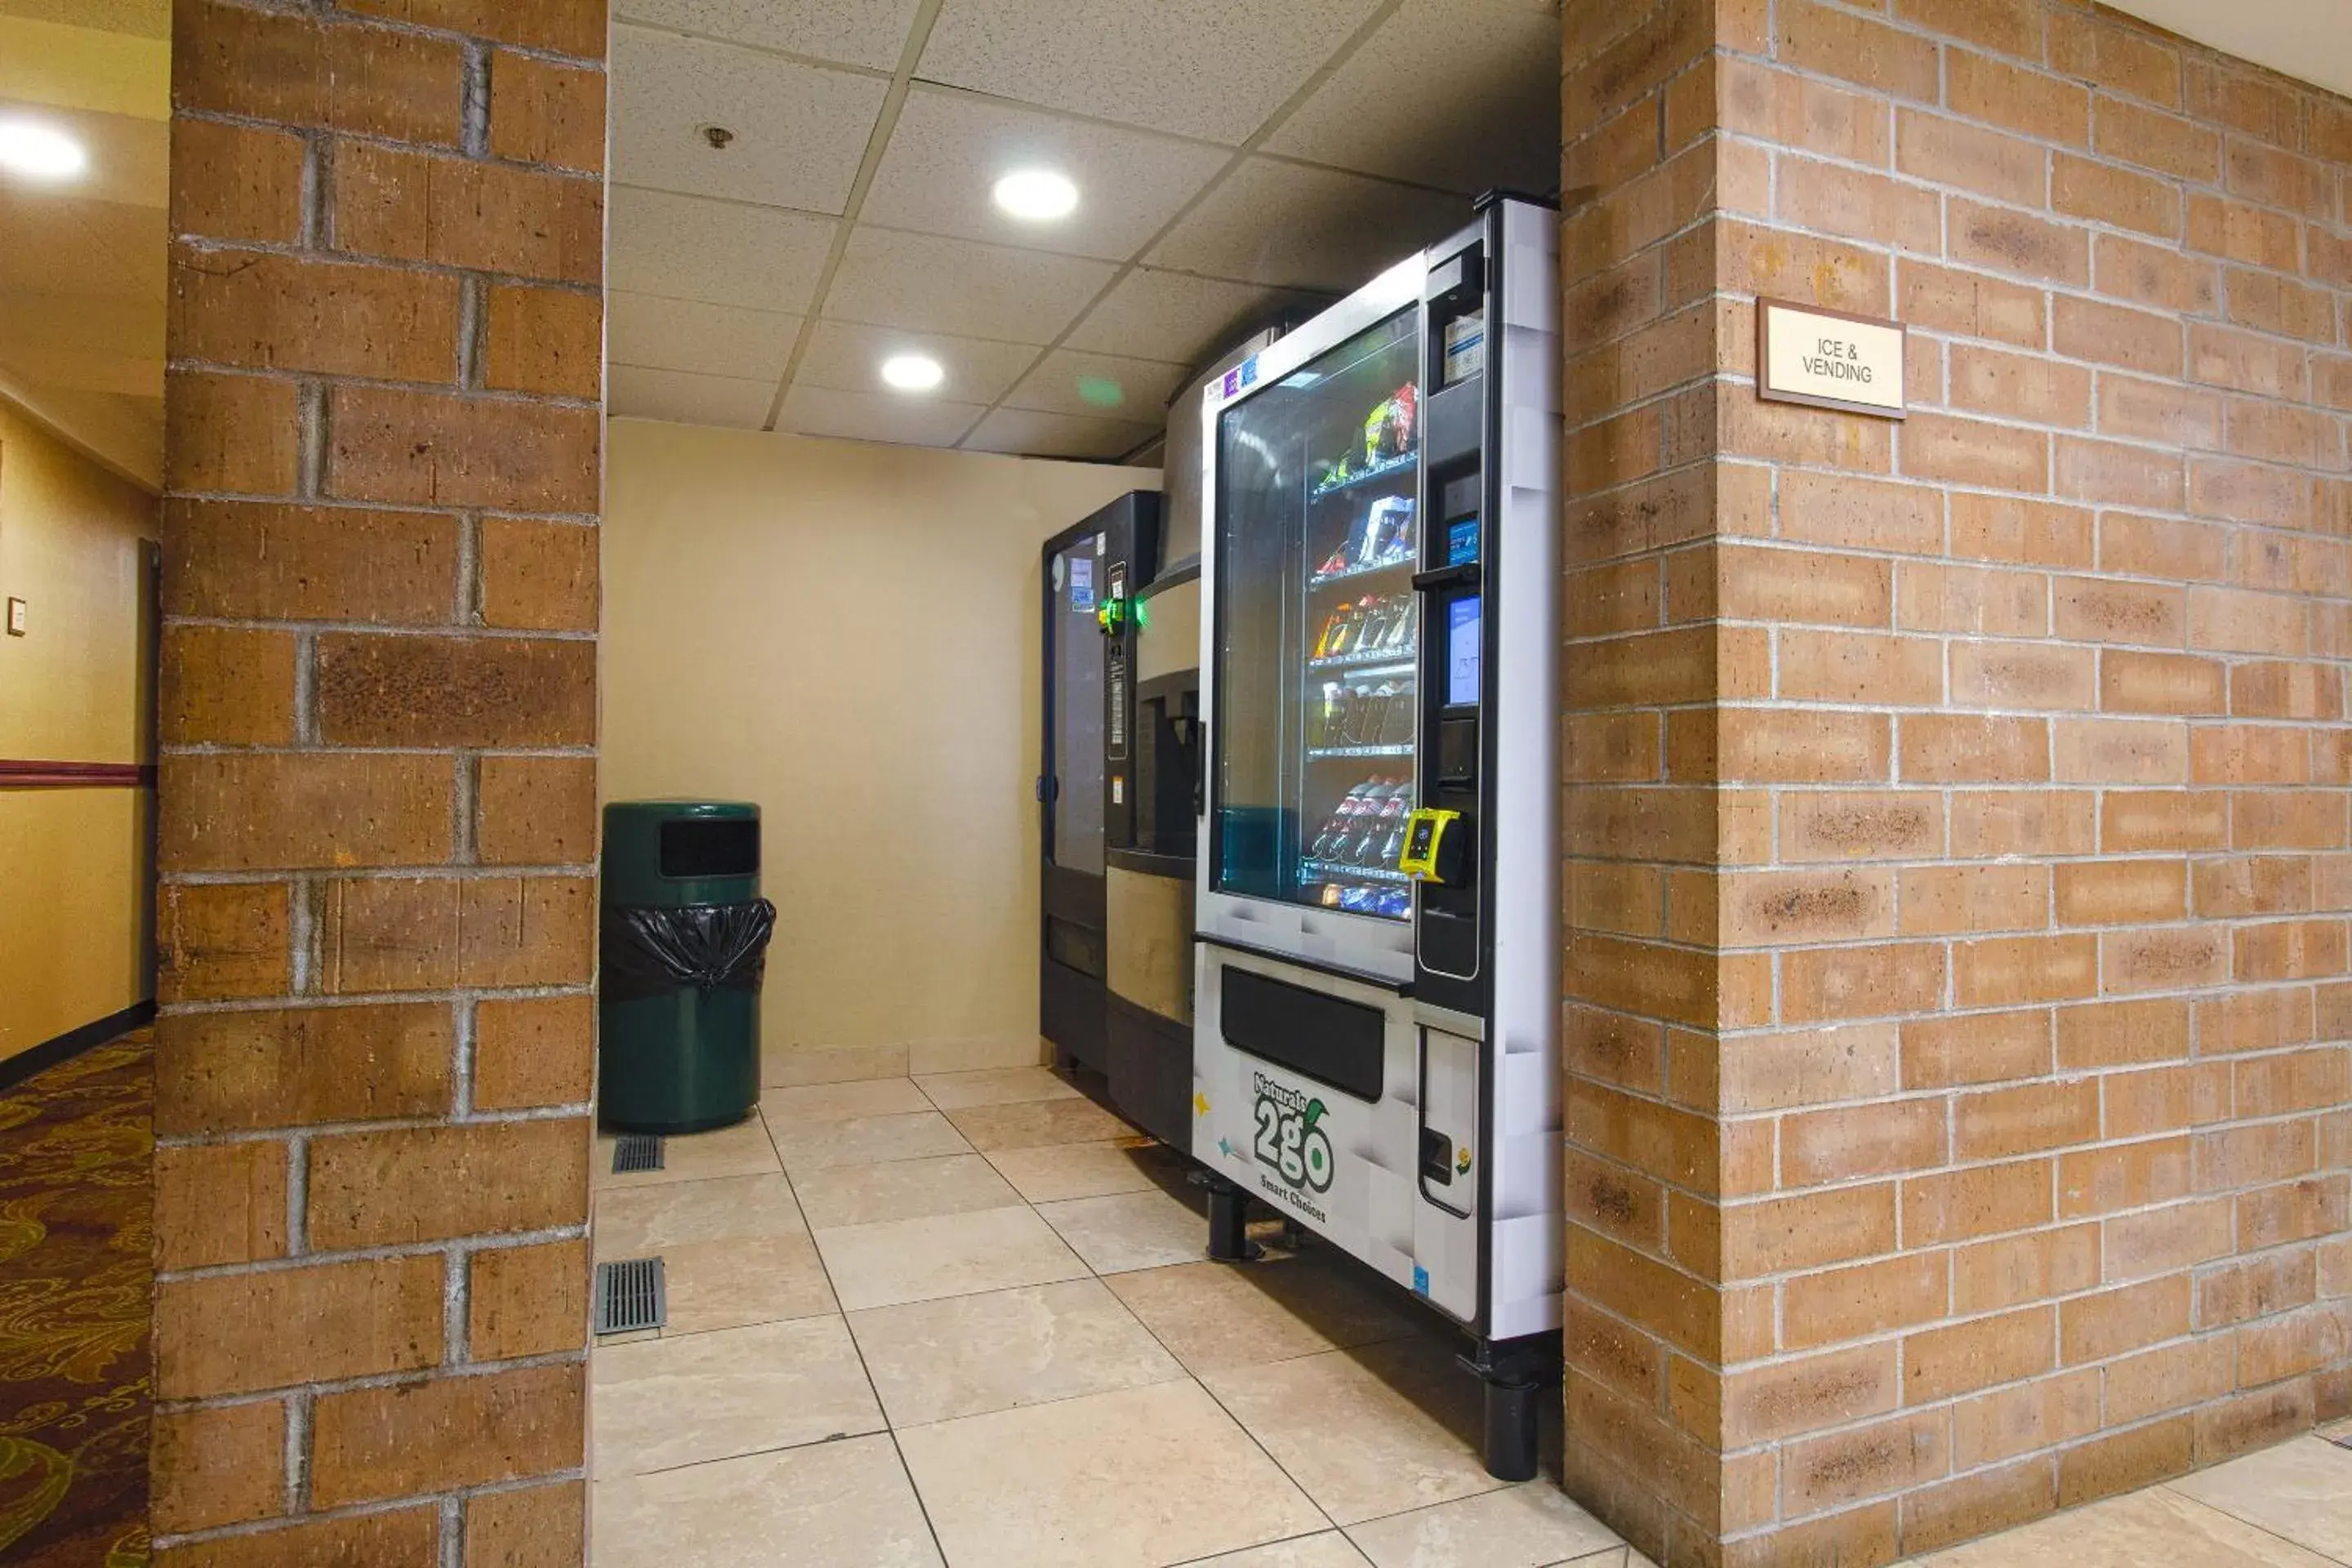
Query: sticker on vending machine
point(1082, 583)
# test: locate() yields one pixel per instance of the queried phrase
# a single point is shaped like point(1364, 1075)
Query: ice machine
point(1377, 986)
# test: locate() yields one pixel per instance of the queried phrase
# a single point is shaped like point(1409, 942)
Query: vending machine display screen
point(1464, 639)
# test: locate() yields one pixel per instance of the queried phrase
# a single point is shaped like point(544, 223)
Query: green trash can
point(683, 944)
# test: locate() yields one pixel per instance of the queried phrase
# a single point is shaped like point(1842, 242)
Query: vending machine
point(1377, 957)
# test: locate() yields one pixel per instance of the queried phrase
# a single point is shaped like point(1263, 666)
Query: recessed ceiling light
point(913, 372)
point(39, 151)
point(1037, 195)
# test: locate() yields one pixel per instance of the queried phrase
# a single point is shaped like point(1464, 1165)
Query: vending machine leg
point(1229, 1239)
point(1516, 1372)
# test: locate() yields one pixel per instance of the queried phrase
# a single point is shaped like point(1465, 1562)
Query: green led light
point(1101, 391)
point(1142, 614)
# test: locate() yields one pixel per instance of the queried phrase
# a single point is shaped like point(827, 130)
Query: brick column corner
point(377, 807)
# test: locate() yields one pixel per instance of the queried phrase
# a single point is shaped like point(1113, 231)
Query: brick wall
point(377, 807)
point(1957, 937)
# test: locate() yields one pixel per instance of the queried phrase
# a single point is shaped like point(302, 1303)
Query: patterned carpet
point(75, 1274)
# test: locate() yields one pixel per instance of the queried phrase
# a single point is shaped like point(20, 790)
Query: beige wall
point(75, 878)
point(849, 635)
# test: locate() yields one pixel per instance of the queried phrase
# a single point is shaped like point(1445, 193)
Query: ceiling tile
point(1175, 317)
point(800, 130)
point(1504, 135)
point(692, 334)
point(688, 399)
point(949, 149)
point(1213, 69)
point(1099, 386)
point(1042, 435)
point(86, 250)
point(869, 33)
point(1271, 222)
point(875, 416)
point(927, 284)
point(847, 356)
point(695, 248)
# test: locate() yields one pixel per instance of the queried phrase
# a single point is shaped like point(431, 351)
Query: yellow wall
point(849, 635)
point(76, 881)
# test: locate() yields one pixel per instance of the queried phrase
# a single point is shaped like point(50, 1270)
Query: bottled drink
point(1340, 828)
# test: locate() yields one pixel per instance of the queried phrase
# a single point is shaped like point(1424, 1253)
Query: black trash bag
point(653, 952)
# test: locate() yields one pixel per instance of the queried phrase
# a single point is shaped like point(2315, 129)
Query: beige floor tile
point(926, 1057)
point(636, 1222)
point(749, 1279)
point(1325, 1549)
point(831, 1503)
point(866, 1140)
point(1369, 1432)
point(1037, 1124)
point(902, 1189)
point(782, 1066)
point(1135, 1478)
point(900, 1260)
point(2149, 1528)
point(1223, 1314)
point(2301, 1490)
point(994, 1086)
point(1149, 1229)
point(679, 1401)
point(1059, 1170)
point(742, 1149)
point(1527, 1526)
point(965, 1355)
point(796, 1105)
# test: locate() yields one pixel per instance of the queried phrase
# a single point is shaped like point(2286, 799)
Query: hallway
point(962, 1319)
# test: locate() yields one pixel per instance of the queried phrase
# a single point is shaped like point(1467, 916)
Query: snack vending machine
point(1377, 986)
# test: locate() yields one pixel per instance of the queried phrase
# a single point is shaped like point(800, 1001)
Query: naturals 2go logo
point(1288, 1139)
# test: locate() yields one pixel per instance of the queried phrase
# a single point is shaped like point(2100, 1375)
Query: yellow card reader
point(1429, 854)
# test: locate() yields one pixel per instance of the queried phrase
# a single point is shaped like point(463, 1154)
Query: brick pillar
point(378, 793)
point(1959, 1097)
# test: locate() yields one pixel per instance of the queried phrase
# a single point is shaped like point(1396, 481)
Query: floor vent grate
point(636, 1152)
point(630, 1296)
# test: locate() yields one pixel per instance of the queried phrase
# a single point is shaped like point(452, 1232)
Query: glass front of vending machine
point(1377, 984)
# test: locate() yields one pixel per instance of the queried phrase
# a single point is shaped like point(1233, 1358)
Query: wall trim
point(21, 775)
point(64, 1047)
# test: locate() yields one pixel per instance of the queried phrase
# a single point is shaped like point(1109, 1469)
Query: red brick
point(403, 1536)
point(1970, 304)
point(527, 1301)
point(456, 691)
point(548, 340)
point(2122, 1176)
point(2165, 142)
point(1836, 42)
point(1834, 199)
point(258, 310)
point(266, 562)
point(421, 448)
point(2104, 194)
point(236, 1333)
point(2117, 55)
point(225, 685)
point(1963, 1357)
point(237, 181)
point(230, 433)
point(531, 1527)
point(225, 812)
point(301, 70)
point(221, 1465)
point(2041, 107)
point(424, 1184)
point(219, 1202)
point(457, 212)
point(1975, 1047)
point(1952, 748)
point(2124, 1461)
point(2112, 1034)
point(2026, 533)
point(1981, 1200)
point(2238, 232)
point(2155, 275)
point(235, 1071)
point(2004, 240)
point(533, 1051)
point(1994, 1123)
point(542, 112)
point(1971, 451)
point(2110, 335)
point(222, 941)
point(562, 27)
point(2012, 1270)
point(398, 933)
point(2005, 971)
point(446, 1433)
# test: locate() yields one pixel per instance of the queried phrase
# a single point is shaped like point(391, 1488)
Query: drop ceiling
point(82, 271)
point(1233, 157)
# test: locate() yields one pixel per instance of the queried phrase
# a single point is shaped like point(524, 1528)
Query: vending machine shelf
point(1324, 753)
point(1404, 463)
point(1341, 872)
point(1350, 573)
point(1377, 661)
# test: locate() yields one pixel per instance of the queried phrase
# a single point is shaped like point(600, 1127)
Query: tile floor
point(962, 1319)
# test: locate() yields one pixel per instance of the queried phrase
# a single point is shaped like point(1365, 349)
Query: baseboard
point(16, 1069)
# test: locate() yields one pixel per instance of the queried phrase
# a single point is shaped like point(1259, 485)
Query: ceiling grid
point(1231, 158)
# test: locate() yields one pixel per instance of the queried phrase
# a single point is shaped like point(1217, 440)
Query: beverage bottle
point(1400, 628)
point(1330, 625)
point(1339, 828)
point(1364, 830)
point(1376, 625)
point(1394, 727)
point(1392, 842)
point(1349, 637)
